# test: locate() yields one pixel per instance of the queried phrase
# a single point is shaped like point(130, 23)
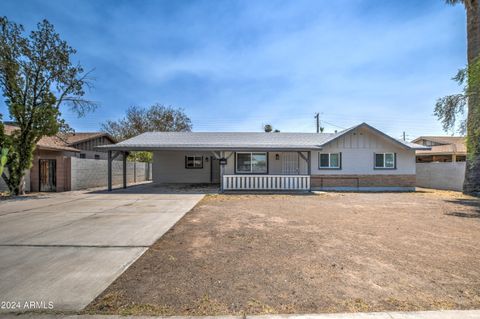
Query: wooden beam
point(124, 169)
point(309, 162)
point(222, 172)
point(302, 156)
point(109, 178)
point(116, 154)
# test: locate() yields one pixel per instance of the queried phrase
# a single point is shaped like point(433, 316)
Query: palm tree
point(448, 107)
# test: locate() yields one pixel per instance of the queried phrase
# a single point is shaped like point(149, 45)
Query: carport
point(187, 158)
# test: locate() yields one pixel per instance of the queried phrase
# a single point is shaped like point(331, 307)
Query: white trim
point(384, 160)
point(329, 160)
point(194, 158)
point(266, 182)
point(251, 163)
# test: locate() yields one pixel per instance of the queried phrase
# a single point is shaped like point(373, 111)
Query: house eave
point(206, 148)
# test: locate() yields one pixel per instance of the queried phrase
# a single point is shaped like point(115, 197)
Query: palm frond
point(454, 2)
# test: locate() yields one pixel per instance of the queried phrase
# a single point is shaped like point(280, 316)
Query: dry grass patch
point(333, 252)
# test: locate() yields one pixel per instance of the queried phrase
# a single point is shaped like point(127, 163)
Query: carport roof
point(216, 141)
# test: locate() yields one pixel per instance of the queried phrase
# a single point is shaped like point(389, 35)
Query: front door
point(215, 170)
point(48, 175)
point(290, 163)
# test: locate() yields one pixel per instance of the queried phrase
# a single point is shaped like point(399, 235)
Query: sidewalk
point(447, 314)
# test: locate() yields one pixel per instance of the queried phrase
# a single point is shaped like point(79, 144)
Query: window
point(249, 163)
point(193, 161)
point(97, 156)
point(82, 155)
point(330, 160)
point(385, 160)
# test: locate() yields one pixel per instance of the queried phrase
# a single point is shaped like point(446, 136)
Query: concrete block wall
point(449, 176)
point(87, 173)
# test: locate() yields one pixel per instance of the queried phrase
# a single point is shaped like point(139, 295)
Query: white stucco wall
point(441, 175)
point(358, 149)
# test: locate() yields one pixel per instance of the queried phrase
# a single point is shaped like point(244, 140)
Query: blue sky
point(234, 65)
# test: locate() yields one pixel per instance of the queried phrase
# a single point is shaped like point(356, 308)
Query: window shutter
point(340, 159)
point(395, 160)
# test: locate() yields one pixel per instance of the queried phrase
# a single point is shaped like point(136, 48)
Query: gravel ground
point(329, 252)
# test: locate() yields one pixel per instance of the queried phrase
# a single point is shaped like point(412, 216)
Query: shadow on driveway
point(472, 206)
point(151, 188)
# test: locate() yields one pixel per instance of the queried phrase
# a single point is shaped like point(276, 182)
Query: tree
point(156, 118)
point(3, 150)
point(37, 78)
point(449, 108)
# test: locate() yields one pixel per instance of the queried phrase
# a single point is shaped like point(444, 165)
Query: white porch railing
point(266, 182)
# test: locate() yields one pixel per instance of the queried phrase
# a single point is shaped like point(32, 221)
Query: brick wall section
point(318, 181)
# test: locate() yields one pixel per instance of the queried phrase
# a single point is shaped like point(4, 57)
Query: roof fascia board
point(210, 148)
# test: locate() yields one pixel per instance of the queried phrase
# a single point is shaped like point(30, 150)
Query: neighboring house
point(359, 158)
point(50, 170)
point(443, 166)
point(443, 149)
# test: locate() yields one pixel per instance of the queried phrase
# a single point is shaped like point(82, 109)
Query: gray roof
point(217, 141)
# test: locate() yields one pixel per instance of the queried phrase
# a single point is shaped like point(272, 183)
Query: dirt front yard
point(331, 252)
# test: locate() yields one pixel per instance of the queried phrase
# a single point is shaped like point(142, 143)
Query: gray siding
point(358, 148)
point(169, 167)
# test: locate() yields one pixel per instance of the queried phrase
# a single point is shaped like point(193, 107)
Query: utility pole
point(404, 136)
point(317, 116)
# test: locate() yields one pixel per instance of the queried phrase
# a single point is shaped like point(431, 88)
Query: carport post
point(124, 169)
point(222, 171)
point(109, 169)
point(309, 164)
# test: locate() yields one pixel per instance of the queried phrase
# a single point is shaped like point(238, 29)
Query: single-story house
point(358, 158)
point(50, 169)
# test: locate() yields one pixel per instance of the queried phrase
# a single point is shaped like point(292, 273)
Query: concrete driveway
point(62, 250)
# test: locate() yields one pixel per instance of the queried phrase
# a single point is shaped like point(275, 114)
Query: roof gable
point(399, 143)
point(75, 138)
